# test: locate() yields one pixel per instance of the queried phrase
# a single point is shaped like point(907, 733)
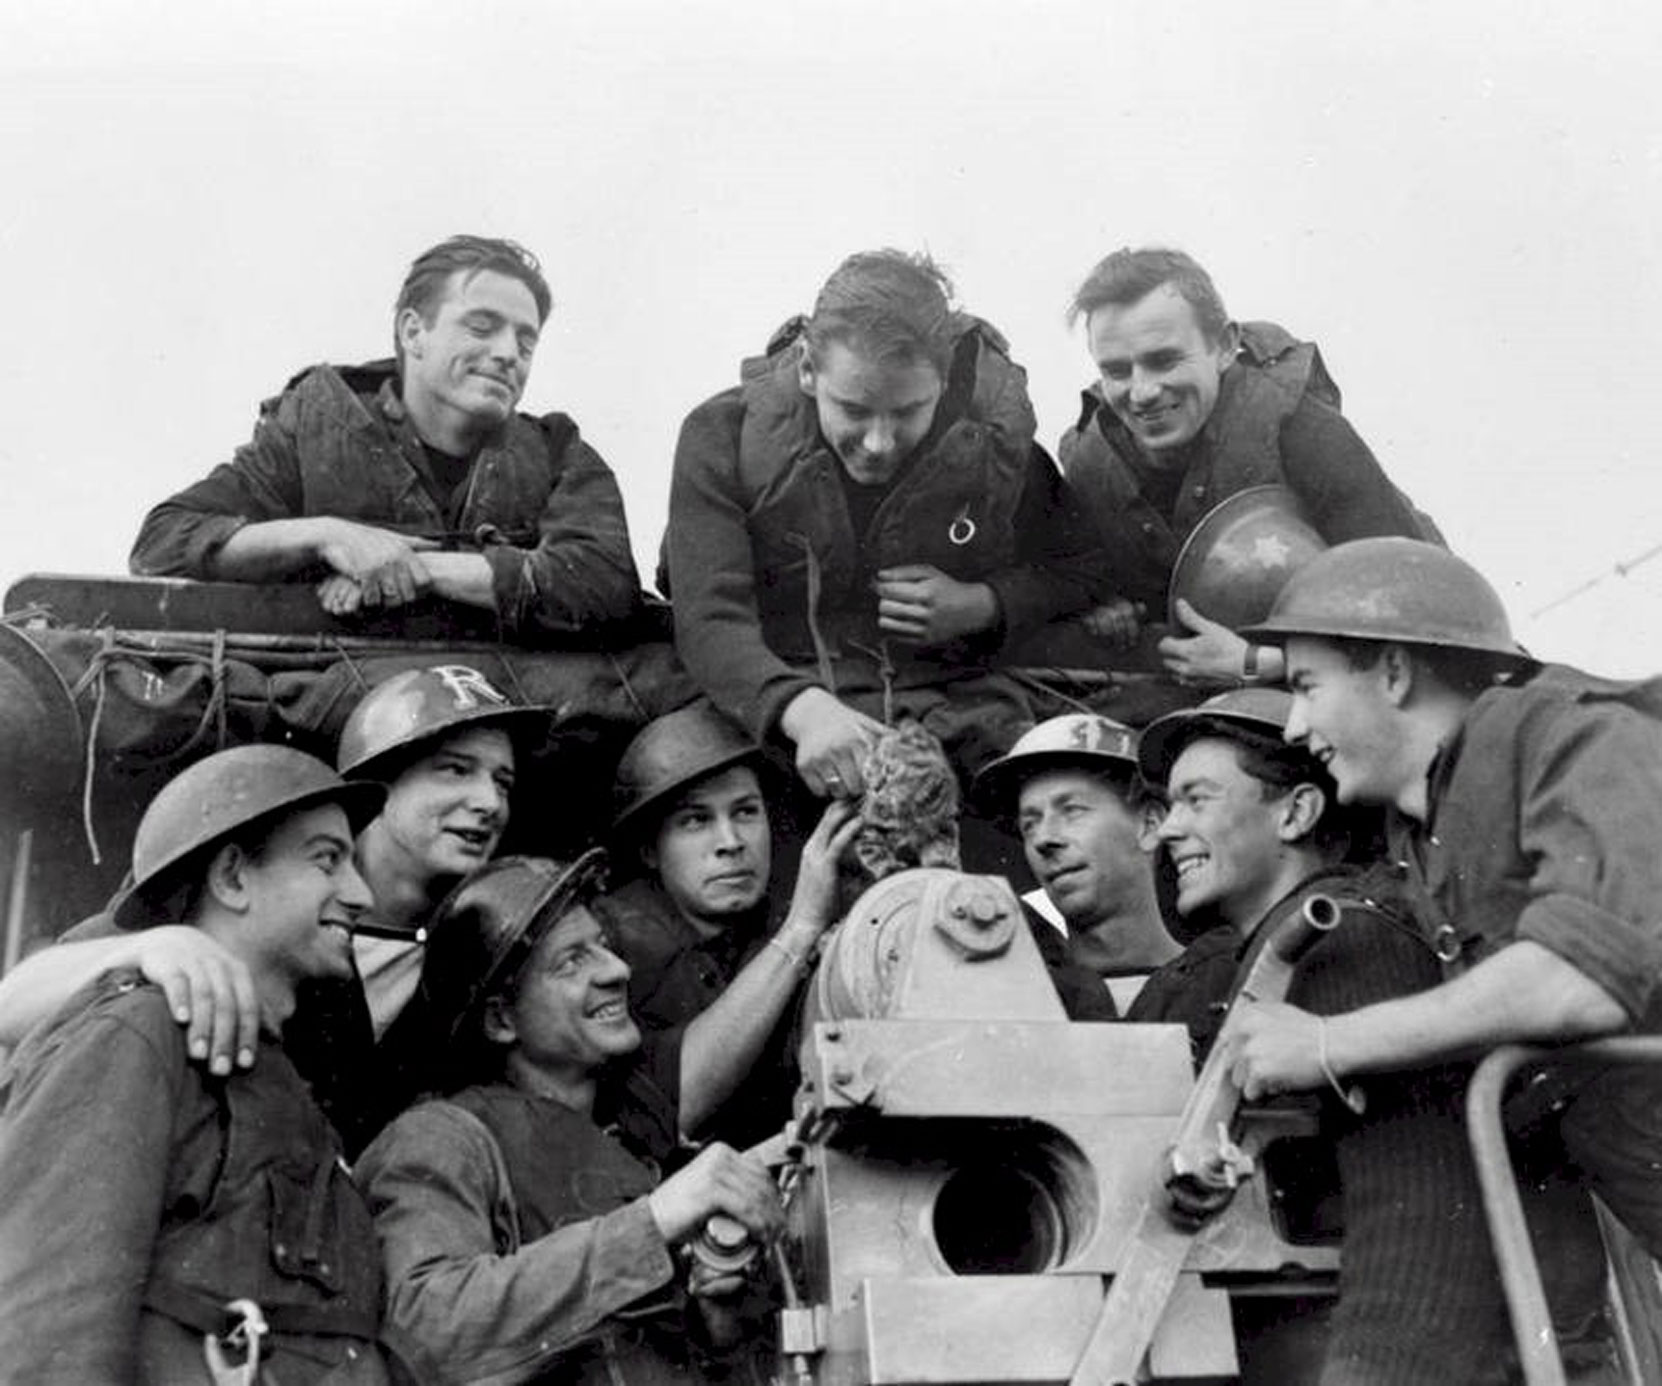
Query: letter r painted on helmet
point(469, 687)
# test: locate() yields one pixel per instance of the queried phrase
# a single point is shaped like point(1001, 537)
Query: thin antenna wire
point(1620, 570)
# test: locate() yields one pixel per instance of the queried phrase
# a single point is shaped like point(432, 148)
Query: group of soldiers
point(551, 1076)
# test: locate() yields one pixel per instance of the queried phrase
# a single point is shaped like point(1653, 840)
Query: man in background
point(1071, 789)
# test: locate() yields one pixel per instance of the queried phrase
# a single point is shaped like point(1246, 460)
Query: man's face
point(1223, 834)
point(872, 413)
point(714, 849)
point(446, 812)
point(307, 894)
point(570, 1004)
point(473, 358)
point(1160, 375)
point(1080, 838)
point(1343, 717)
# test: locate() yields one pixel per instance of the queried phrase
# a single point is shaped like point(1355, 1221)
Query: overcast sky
point(1460, 203)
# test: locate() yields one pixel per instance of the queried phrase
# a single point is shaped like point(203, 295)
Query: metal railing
point(1520, 1272)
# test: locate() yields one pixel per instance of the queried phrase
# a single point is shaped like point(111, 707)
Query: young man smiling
point(1189, 409)
point(861, 526)
point(1528, 818)
point(147, 1207)
point(441, 739)
point(526, 1228)
point(397, 478)
point(1255, 833)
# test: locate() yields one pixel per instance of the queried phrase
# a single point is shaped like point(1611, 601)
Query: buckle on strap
point(1445, 943)
point(244, 1338)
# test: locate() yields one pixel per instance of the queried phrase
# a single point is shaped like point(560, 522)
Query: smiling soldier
point(1189, 409)
point(1527, 817)
point(1256, 832)
point(443, 741)
point(195, 1205)
point(400, 477)
point(861, 526)
point(524, 1221)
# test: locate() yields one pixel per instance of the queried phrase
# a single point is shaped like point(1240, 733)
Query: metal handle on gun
point(1202, 1154)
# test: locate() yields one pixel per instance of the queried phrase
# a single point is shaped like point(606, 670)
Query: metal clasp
point(961, 530)
point(245, 1337)
point(1445, 943)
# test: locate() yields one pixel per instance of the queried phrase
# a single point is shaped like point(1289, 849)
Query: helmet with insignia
point(414, 706)
point(1080, 739)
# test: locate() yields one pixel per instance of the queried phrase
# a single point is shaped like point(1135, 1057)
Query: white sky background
point(1460, 203)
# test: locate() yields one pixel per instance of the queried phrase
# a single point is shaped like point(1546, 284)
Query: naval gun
point(977, 1171)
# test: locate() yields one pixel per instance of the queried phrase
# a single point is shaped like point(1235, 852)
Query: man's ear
point(1149, 818)
point(1229, 344)
point(227, 877)
point(1397, 674)
point(498, 1021)
point(1301, 810)
point(411, 332)
point(804, 367)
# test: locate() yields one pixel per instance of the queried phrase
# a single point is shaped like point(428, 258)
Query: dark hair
point(424, 285)
point(892, 306)
point(174, 896)
point(1129, 276)
point(1279, 769)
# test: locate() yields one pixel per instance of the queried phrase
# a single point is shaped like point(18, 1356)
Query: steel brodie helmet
point(1263, 711)
point(418, 704)
point(1077, 738)
point(218, 796)
point(487, 926)
point(1237, 559)
point(1397, 590)
point(671, 752)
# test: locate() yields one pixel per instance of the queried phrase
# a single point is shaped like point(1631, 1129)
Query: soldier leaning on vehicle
point(1190, 409)
point(1256, 834)
point(400, 477)
point(859, 527)
point(1527, 815)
